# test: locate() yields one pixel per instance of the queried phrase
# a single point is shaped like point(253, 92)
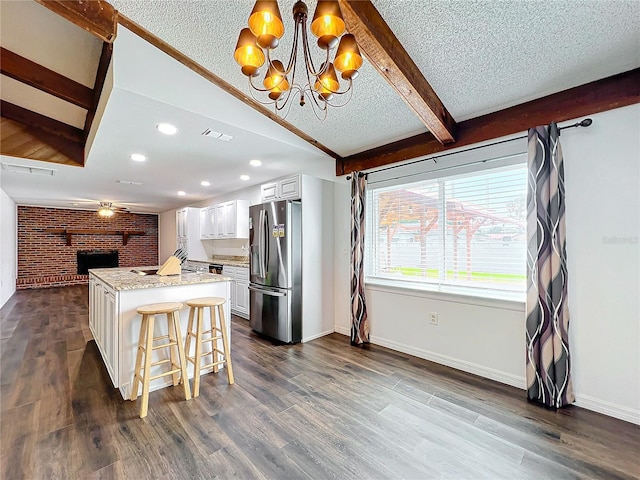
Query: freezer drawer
point(275, 313)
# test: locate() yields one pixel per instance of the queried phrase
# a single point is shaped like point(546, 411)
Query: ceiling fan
point(107, 209)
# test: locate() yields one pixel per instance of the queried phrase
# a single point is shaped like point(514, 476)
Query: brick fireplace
point(45, 259)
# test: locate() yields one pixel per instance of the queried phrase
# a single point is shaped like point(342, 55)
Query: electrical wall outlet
point(434, 318)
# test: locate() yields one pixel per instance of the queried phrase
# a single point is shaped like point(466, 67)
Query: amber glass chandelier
point(320, 85)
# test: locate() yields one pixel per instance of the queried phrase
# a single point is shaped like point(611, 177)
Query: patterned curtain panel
point(548, 376)
point(359, 322)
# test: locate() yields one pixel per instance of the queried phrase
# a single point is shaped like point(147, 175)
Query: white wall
point(487, 338)
point(602, 169)
point(167, 235)
point(8, 247)
point(317, 258)
point(342, 258)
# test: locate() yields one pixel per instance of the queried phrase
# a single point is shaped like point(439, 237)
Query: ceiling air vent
point(14, 167)
point(128, 182)
point(220, 136)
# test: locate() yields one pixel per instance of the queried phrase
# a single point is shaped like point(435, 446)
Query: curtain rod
point(584, 123)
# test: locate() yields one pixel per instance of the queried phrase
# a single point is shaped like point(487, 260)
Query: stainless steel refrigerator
point(275, 262)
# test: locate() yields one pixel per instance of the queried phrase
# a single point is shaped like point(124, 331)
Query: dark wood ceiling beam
point(41, 122)
point(95, 16)
point(386, 54)
point(23, 141)
point(211, 77)
point(26, 71)
point(101, 76)
point(594, 97)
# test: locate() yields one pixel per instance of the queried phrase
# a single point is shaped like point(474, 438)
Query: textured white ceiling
point(207, 31)
point(149, 87)
point(483, 56)
point(480, 56)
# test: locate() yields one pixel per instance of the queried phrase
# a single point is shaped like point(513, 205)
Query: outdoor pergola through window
point(464, 231)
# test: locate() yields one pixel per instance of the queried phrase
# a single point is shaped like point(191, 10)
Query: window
point(461, 233)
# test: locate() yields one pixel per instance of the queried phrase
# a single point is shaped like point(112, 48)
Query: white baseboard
point(607, 408)
point(583, 401)
point(344, 330)
point(313, 337)
point(469, 367)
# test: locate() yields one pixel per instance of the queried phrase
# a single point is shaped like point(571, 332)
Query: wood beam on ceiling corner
point(219, 82)
point(380, 45)
point(23, 141)
point(41, 122)
point(101, 76)
point(95, 16)
point(594, 97)
point(35, 75)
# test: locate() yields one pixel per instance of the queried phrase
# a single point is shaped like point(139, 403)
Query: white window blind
point(450, 233)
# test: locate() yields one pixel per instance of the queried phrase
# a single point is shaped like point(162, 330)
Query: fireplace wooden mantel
point(70, 232)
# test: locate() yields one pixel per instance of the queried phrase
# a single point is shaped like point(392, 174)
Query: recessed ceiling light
point(244, 178)
point(204, 183)
point(181, 193)
point(138, 157)
point(167, 129)
point(255, 163)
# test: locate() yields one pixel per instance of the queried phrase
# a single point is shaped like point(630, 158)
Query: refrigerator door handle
point(267, 292)
point(265, 244)
point(261, 245)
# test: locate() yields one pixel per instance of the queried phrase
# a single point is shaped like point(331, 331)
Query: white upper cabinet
point(225, 220)
point(207, 222)
point(283, 189)
point(181, 223)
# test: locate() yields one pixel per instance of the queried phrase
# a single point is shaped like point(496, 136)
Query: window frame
point(480, 159)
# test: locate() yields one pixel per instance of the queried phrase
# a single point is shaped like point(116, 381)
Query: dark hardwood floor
point(320, 410)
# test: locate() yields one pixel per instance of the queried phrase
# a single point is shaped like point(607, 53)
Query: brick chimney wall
point(45, 260)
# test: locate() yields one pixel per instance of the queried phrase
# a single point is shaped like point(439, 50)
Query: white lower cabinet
point(103, 324)
point(239, 289)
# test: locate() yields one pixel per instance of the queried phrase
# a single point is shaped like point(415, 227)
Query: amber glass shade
point(348, 59)
point(248, 54)
point(275, 80)
point(327, 83)
point(327, 23)
point(266, 24)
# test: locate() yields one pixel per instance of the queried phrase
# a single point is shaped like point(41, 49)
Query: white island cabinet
point(114, 296)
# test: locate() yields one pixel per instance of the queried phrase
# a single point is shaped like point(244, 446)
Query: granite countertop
point(229, 260)
point(125, 279)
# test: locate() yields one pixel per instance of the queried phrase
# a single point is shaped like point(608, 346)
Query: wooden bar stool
point(217, 332)
point(146, 347)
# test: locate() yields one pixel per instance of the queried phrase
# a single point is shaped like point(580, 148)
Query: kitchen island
point(114, 296)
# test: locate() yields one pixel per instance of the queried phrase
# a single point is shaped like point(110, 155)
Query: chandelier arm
point(286, 98)
point(315, 103)
point(294, 49)
point(308, 58)
point(316, 107)
point(349, 91)
point(259, 89)
point(263, 102)
point(288, 104)
point(337, 92)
